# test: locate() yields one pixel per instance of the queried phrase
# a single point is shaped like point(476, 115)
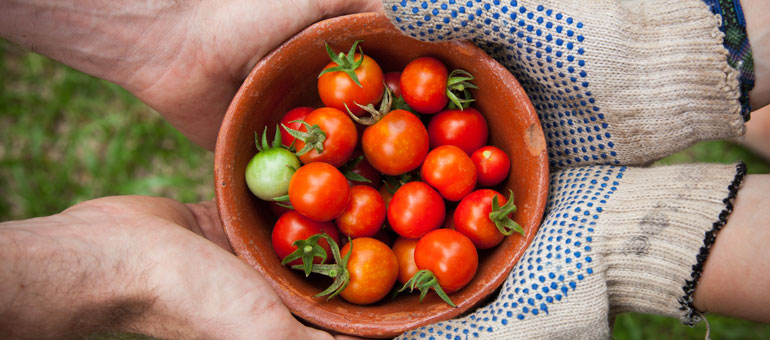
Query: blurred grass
point(66, 137)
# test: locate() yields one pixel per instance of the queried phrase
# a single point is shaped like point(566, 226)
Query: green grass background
point(66, 137)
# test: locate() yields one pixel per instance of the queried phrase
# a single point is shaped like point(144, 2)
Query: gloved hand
point(614, 239)
point(614, 82)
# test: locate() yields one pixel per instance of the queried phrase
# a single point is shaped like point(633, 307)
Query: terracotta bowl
point(286, 78)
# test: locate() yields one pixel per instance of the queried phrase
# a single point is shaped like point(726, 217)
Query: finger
point(303, 14)
point(335, 8)
point(201, 218)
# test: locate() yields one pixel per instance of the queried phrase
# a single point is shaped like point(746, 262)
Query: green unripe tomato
point(269, 172)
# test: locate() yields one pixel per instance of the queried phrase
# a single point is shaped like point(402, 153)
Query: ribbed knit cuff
point(665, 82)
point(737, 43)
point(660, 226)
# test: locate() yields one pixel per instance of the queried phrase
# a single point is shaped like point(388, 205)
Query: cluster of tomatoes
point(402, 176)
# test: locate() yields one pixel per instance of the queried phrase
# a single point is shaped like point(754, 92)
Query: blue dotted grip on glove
point(556, 263)
point(543, 48)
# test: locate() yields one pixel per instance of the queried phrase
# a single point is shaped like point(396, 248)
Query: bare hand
point(135, 264)
point(185, 59)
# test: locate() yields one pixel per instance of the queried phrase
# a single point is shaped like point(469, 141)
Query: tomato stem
point(459, 82)
point(338, 271)
point(500, 216)
point(314, 138)
point(345, 63)
point(307, 251)
point(376, 115)
point(424, 280)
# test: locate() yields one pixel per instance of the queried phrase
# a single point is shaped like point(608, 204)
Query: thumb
point(333, 8)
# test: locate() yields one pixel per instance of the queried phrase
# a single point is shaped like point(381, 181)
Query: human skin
point(158, 267)
point(185, 59)
point(125, 261)
point(138, 264)
point(736, 274)
point(89, 268)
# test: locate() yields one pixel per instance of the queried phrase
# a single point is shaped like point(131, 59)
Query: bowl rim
point(224, 177)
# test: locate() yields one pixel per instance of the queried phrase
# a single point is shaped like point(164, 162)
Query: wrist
point(70, 274)
point(739, 259)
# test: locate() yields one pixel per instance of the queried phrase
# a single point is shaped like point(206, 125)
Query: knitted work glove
point(614, 239)
point(614, 82)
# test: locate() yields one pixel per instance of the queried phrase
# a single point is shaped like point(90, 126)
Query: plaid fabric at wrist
point(737, 43)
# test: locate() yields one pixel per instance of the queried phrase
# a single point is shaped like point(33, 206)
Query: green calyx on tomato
point(392, 183)
point(264, 145)
point(424, 280)
point(347, 170)
point(459, 84)
point(307, 250)
point(314, 138)
point(400, 104)
point(500, 216)
point(346, 63)
point(338, 270)
point(376, 115)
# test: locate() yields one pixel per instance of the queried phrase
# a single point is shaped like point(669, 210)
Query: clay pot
point(285, 79)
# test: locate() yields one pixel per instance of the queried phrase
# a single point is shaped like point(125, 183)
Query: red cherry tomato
point(373, 271)
point(450, 256)
point(424, 83)
point(466, 129)
point(396, 144)
point(337, 88)
point(297, 113)
point(450, 170)
point(492, 165)
point(341, 137)
point(415, 209)
point(292, 226)
point(471, 218)
point(319, 191)
point(404, 250)
point(364, 214)
point(393, 82)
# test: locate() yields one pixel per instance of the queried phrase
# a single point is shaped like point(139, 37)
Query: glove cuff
point(691, 315)
point(659, 236)
point(668, 82)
